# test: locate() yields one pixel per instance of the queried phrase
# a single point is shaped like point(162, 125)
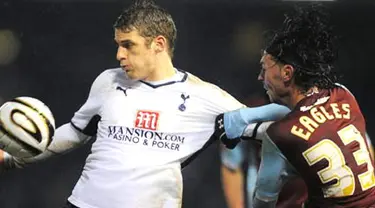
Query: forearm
point(66, 138)
point(235, 122)
point(233, 186)
point(257, 131)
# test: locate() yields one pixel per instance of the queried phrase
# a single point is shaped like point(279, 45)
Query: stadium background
point(53, 50)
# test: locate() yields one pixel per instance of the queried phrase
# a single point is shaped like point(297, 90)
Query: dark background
point(54, 49)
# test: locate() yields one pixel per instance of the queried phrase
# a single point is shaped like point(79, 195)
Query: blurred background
point(54, 49)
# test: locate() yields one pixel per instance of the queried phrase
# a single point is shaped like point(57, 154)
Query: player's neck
point(163, 70)
point(297, 95)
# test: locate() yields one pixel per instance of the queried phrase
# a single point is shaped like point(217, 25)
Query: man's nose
point(121, 53)
point(260, 76)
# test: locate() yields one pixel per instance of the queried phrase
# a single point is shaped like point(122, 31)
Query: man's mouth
point(125, 68)
point(265, 87)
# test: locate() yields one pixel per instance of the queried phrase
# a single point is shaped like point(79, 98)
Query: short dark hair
point(307, 43)
point(150, 20)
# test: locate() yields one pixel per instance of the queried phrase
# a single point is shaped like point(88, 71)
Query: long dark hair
point(306, 42)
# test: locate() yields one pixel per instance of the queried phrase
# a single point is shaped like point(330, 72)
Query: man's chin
point(131, 75)
point(272, 98)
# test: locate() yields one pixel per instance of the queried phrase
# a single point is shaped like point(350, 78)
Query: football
point(26, 127)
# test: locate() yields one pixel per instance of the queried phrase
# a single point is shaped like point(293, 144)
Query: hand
point(221, 134)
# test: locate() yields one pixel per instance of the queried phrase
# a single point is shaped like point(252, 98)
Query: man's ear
point(287, 72)
point(159, 44)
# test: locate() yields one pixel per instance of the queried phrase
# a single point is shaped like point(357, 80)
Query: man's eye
point(127, 45)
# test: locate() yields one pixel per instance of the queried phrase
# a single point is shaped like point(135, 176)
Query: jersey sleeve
point(215, 100)
point(257, 131)
point(86, 118)
point(235, 122)
point(221, 101)
point(233, 158)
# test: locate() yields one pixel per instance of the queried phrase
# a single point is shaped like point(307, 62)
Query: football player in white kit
point(148, 117)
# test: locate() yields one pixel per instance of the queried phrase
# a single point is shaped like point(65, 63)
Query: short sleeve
point(87, 117)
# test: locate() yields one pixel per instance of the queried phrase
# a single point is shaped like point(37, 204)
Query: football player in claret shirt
point(323, 138)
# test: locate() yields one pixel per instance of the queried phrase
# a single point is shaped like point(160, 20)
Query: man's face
point(136, 58)
point(271, 76)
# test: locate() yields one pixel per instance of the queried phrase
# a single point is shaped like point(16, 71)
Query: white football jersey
point(144, 133)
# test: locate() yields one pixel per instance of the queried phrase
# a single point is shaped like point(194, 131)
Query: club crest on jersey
point(184, 97)
point(146, 119)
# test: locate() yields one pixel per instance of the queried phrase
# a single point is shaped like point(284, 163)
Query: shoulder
point(282, 127)
point(344, 91)
point(206, 88)
point(341, 86)
point(110, 77)
point(197, 82)
point(213, 93)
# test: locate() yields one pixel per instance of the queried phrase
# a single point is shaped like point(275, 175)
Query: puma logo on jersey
point(146, 119)
point(184, 97)
point(122, 89)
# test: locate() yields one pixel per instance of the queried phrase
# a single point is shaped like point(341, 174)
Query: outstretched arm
point(71, 135)
point(230, 126)
point(66, 138)
point(235, 122)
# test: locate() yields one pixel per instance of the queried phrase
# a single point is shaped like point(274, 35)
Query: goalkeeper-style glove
point(221, 134)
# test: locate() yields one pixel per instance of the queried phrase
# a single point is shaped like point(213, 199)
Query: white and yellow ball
point(26, 127)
